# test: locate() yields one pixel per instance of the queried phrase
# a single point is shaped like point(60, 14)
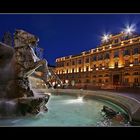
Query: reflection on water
point(68, 111)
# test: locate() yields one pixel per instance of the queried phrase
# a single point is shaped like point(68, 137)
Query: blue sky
point(67, 34)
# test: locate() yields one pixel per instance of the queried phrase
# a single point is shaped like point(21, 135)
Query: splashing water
point(75, 101)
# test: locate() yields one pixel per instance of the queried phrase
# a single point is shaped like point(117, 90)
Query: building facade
point(115, 62)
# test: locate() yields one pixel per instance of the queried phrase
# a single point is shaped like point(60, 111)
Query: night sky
point(67, 34)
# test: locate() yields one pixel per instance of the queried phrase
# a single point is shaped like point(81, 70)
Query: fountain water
point(75, 101)
point(16, 65)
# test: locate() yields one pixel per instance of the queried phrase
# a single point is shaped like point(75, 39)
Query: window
point(126, 52)
point(79, 76)
point(79, 69)
point(73, 63)
point(100, 66)
point(94, 58)
point(116, 64)
point(87, 68)
point(100, 80)
point(86, 75)
point(126, 80)
point(126, 74)
point(100, 57)
point(136, 51)
point(136, 73)
point(136, 61)
point(67, 77)
point(106, 75)
point(87, 81)
point(116, 54)
point(79, 61)
point(67, 64)
point(116, 40)
point(107, 55)
point(72, 70)
point(106, 80)
point(136, 80)
point(127, 62)
point(87, 60)
point(79, 81)
point(106, 65)
point(61, 64)
point(62, 71)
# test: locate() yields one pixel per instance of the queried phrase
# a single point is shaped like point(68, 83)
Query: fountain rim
point(130, 105)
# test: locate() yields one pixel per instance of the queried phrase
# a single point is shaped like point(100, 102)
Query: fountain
point(78, 100)
point(16, 65)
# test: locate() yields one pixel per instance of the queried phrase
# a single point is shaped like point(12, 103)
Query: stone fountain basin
point(23, 106)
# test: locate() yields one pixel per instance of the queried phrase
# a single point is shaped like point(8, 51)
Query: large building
point(115, 62)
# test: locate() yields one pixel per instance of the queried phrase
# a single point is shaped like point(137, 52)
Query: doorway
point(116, 79)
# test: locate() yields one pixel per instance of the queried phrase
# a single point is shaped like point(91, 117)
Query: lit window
point(136, 61)
point(127, 62)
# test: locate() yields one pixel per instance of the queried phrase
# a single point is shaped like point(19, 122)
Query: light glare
point(130, 29)
point(105, 38)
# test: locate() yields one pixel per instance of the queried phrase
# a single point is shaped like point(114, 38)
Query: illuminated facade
point(115, 62)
